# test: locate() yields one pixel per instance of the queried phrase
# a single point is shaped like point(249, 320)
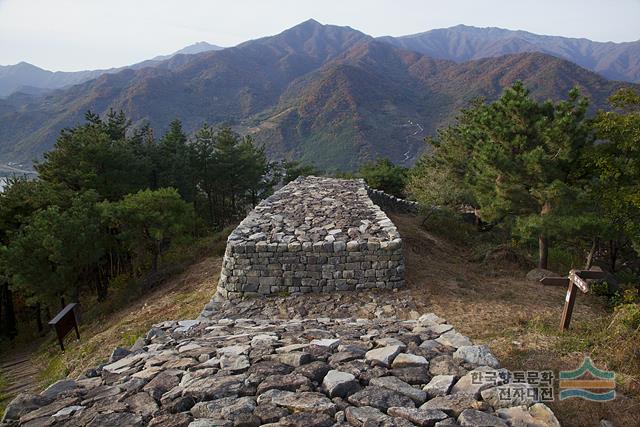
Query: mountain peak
point(310, 23)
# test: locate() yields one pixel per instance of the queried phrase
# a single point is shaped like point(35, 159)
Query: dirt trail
point(19, 371)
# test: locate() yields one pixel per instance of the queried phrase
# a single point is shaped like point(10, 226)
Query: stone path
point(295, 371)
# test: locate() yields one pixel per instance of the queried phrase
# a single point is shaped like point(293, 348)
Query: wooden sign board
point(64, 322)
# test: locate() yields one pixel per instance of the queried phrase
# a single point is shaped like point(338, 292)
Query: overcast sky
point(74, 35)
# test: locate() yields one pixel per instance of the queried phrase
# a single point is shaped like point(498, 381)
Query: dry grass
point(180, 297)
point(494, 304)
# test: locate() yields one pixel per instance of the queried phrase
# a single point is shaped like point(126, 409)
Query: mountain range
point(27, 78)
point(615, 61)
point(323, 94)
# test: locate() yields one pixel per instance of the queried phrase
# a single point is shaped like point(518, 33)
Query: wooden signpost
point(65, 322)
point(577, 280)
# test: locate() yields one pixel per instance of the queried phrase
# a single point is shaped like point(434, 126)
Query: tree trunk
point(543, 251)
point(38, 315)
point(543, 240)
point(154, 263)
point(592, 251)
point(8, 316)
point(613, 255)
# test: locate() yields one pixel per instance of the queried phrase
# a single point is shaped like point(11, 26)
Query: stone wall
point(313, 235)
point(392, 203)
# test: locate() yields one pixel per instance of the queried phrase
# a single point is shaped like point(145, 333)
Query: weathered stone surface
point(59, 388)
point(439, 385)
point(331, 343)
point(384, 355)
point(519, 416)
point(479, 355)
point(542, 413)
point(116, 419)
point(118, 353)
point(421, 417)
point(142, 404)
point(169, 420)
point(415, 375)
point(429, 319)
point(453, 339)
point(479, 379)
point(452, 404)
point(340, 384)
point(404, 360)
point(306, 402)
point(209, 388)
point(397, 385)
point(234, 363)
point(162, 383)
point(473, 418)
point(512, 394)
point(210, 422)
point(289, 382)
point(438, 329)
point(294, 358)
point(307, 419)
point(211, 409)
point(315, 371)
point(239, 409)
point(269, 413)
point(23, 404)
point(48, 410)
point(380, 398)
point(445, 365)
point(365, 415)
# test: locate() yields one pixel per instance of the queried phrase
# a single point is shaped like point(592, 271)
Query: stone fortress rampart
point(313, 235)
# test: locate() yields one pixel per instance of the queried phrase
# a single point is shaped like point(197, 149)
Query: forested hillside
point(110, 200)
point(616, 61)
point(328, 95)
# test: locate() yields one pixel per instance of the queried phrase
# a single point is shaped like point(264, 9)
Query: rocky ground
point(275, 362)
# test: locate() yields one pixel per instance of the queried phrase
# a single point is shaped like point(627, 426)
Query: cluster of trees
point(110, 199)
point(382, 174)
point(546, 172)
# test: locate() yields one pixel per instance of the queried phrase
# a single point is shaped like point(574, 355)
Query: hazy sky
point(88, 34)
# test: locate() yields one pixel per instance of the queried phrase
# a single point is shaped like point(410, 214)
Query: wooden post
point(569, 301)
point(577, 280)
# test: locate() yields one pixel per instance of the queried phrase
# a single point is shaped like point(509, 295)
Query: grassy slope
point(180, 297)
point(493, 304)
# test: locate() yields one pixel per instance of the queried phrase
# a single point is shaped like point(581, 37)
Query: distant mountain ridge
point(323, 94)
point(615, 61)
point(30, 79)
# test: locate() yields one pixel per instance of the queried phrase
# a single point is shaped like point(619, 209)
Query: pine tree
point(521, 161)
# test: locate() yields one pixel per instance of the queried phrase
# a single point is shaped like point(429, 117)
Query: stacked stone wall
point(313, 235)
point(391, 203)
